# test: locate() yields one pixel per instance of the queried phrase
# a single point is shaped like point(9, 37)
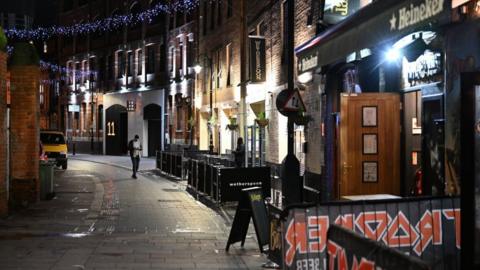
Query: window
point(162, 61)
point(42, 96)
point(139, 62)
point(212, 13)
point(179, 65)
point(229, 55)
point(130, 65)
point(205, 18)
point(218, 68)
point(120, 64)
point(284, 34)
point(171, 57)
point(100, 117)
point(78, 73)
point(150, 59)
point(230, 8)
point(180, 119)
point(219, 14)
point(111, 67)
point(93, 69)
point(70, 73)
point(84, 116)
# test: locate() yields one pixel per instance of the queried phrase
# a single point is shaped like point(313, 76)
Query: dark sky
point(46, 12)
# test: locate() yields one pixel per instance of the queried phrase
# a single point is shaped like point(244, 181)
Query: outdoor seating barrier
point(428, 228)
point(349, 250)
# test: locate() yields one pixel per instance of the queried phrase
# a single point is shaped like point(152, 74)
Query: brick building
point(116, 82)
point(181, 51)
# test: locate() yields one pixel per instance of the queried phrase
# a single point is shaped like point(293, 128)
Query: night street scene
point(240, 134)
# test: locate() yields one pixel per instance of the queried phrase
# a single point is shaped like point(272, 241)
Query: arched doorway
point(152, 113)
point(116, 130)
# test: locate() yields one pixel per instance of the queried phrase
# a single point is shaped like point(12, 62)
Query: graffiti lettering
point(397, 231)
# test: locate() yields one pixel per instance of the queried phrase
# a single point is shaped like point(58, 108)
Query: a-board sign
point(349, 250)
point(251, 205)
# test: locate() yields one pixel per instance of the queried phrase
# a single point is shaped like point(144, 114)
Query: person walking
point(239, 153)
point(134, 147)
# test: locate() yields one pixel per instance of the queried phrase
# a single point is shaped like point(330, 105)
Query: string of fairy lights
point(99, 26)
point(104, 25)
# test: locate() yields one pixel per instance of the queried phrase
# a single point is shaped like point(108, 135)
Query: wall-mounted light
point(305, 77)
point(309, 19)
point(393, 54)
point(197, 68)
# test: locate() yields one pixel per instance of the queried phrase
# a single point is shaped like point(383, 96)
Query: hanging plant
point(261, 120)
point(232, 124)
point(302, 119)
point(191, 122)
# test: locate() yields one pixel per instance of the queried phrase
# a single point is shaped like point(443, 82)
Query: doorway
point(412, 138)
point(369, 144)
point(116, 130)
point(152, 113)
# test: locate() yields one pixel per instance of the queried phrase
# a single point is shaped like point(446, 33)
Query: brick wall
point(24, 134)
point(3, 145)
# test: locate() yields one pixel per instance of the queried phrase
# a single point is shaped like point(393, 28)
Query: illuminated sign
point(426, 69)
point(73, 108)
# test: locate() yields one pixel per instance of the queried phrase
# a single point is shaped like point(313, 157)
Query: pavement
point(101, 218)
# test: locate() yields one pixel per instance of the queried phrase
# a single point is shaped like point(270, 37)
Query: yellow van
point(55, 147)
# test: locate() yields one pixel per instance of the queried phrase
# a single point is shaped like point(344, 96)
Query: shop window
point(150, 59)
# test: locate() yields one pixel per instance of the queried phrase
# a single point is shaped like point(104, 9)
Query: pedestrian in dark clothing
point(135, 147)
point(239, 153)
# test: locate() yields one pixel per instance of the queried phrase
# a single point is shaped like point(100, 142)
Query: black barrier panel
point(201, 176)
point(194, 169)
point(348, 250)
point(208, 179)
point(233, 180)
point(189, 172)
point(164, 163)
point(178, 166)
point(428, 228)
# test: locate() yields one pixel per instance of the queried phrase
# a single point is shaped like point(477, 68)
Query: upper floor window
point(229, 8)
point(150, 59)
point(139, 62)
point(130, 65)
point(121, 64)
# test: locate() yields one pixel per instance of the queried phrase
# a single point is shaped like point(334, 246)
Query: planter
point(302, 120)
point(262, 122)
point(232, 127)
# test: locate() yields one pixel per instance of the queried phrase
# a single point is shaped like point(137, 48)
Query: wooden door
point(369, 150)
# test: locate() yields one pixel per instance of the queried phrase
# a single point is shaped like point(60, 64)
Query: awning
point(379, 22)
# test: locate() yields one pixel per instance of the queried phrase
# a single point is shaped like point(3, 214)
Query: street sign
point(289, 102)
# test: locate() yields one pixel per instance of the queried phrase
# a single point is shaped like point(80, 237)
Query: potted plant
point(261, 120)
point(191, 122)
point(233, 123)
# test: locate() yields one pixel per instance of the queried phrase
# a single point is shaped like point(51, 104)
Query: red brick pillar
point(3, 135)
point(25, 122)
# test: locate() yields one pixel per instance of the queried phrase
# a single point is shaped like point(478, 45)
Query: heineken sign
point(412, 14)
point(309, 62)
